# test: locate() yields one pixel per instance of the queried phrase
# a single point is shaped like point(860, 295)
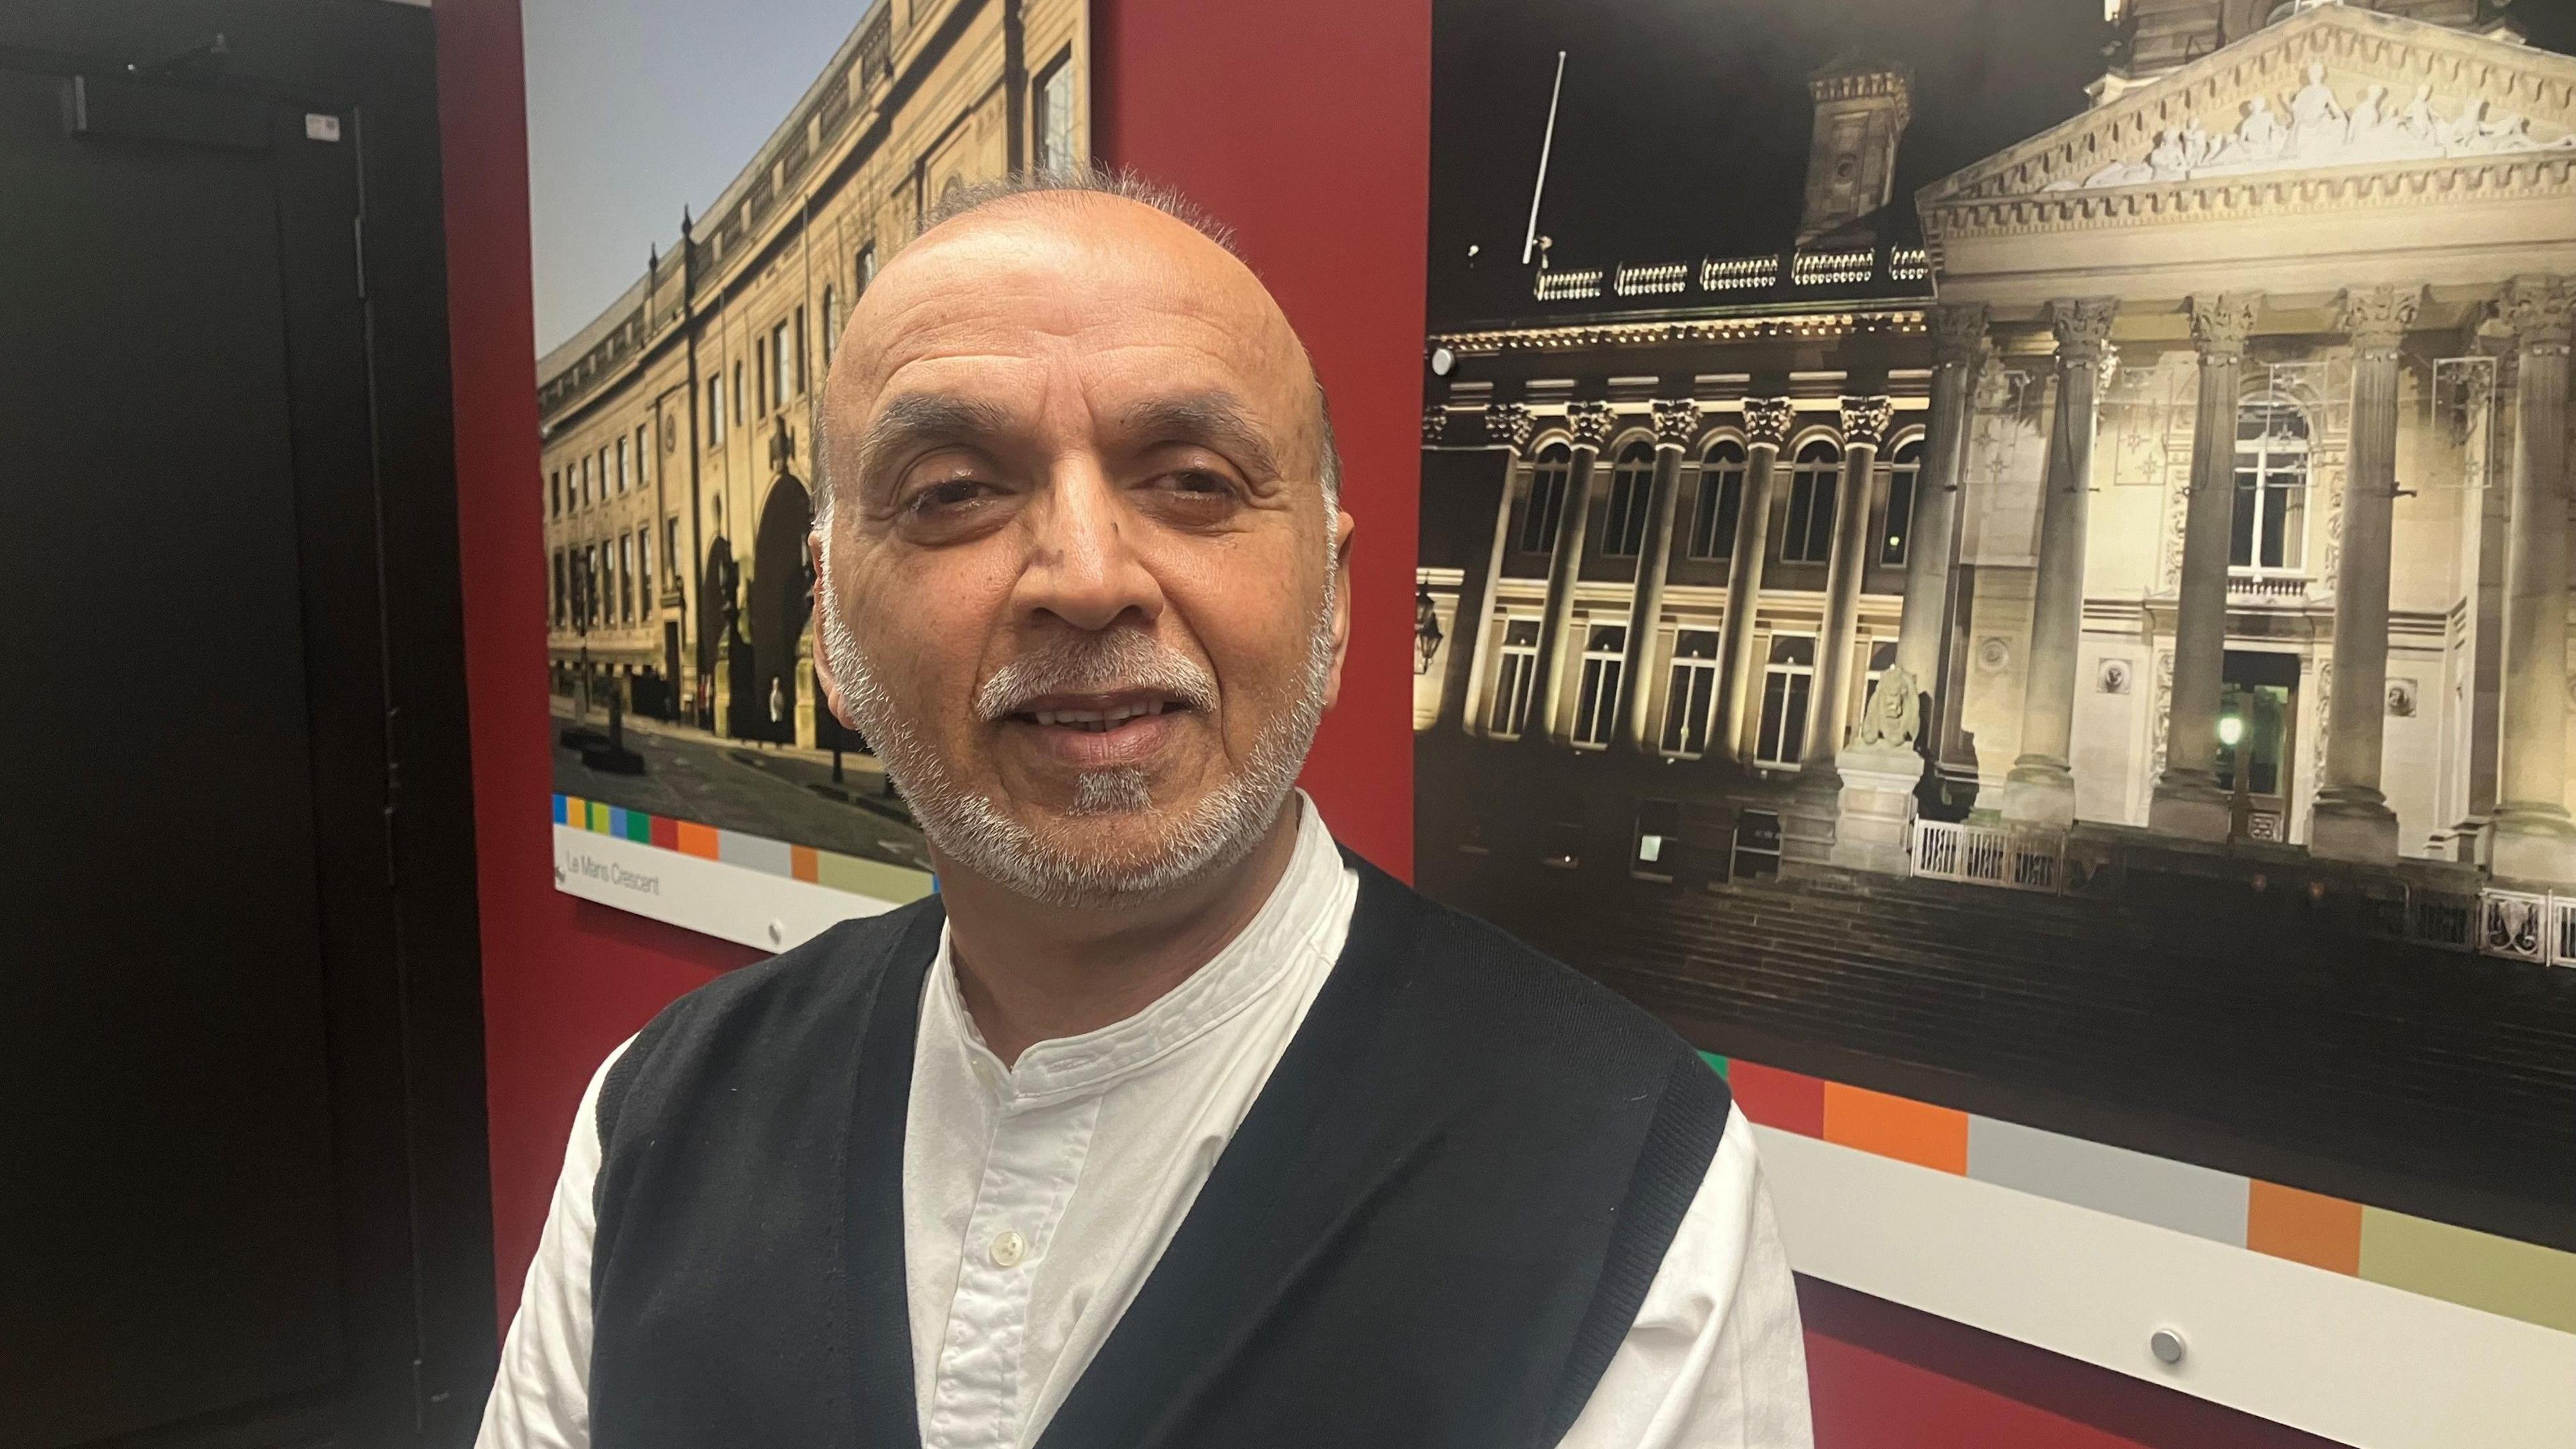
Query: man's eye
point(949, 496)
point(1198, 481)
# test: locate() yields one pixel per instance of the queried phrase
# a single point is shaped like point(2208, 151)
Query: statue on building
point(2260, 136)
point(1894, 715)
point(2318, 121)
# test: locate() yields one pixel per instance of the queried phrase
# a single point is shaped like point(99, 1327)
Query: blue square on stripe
point(561, 817)
point(617, 821)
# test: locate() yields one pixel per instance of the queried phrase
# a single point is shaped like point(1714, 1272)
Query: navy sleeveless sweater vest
point(1433, 1228)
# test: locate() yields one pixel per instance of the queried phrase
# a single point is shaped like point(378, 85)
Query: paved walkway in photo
point(782, 794)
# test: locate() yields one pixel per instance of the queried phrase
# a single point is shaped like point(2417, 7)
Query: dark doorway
point(782, 600)
point(239, 1020)
point(2258, 731)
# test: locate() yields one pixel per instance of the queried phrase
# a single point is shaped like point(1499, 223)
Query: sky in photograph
point(1684, 124)
point(637, 108)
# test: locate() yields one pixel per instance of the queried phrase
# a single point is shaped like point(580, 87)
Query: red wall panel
point(1306, 127)
point(563, 980)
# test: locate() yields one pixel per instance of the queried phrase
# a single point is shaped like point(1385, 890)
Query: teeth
point(1096, 720)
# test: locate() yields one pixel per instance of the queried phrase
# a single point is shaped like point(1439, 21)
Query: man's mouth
point(1098, 719)
point(1116, 730)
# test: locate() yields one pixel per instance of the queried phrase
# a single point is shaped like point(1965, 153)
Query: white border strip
point(753, 907)
point(2356, 1361)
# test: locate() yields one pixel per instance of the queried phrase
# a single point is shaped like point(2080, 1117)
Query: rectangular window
point(1623, 528)
point(1904, 471)
point(1052, 115)
point(621, 465)
point(1787, 681)
point(560, 608)
point(760, 393)
point(585, 480)
point(554, 495)
point(1808, 535)
point(671, 544)
point(644, 567)
point(626, 579)
point(1691, 693)
point(641, 454)
point(1596, 707)
point(1713, 512)
point(1546, 499)
point(737, 395)
point(589, 585)
point(799, 358)
point(1514, 663)
point(715, 412)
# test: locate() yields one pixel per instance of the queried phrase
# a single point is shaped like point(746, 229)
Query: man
point(1164, 1124)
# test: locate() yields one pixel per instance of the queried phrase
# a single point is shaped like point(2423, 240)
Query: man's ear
point(1340, 587)
point(823, 680)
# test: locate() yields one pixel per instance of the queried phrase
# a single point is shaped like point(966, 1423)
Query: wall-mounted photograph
point(2009, 561)
point(678, 396)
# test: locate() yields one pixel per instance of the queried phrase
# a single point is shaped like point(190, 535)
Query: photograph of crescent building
point(2081, 623)
point(679, 425)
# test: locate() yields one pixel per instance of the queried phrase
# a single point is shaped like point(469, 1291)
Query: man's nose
point(1083, 566)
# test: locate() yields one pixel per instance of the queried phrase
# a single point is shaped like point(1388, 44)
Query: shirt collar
point(1295, 919)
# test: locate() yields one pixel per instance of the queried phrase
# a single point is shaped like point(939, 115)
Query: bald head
point(1128, 218)
point(1081, 547)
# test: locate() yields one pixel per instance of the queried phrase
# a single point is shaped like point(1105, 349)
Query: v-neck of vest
point(1289, 1182)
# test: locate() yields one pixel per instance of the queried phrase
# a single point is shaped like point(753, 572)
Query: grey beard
point(974, 830)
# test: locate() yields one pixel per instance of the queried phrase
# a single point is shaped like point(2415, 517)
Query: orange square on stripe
point(698, 840)
point(2304, 1227)
point(802, 864)
point(1907, 1130)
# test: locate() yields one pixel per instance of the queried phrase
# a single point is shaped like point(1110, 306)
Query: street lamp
point(1427, 637)
point(2240, 801)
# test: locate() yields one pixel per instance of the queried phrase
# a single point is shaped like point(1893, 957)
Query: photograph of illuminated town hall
point(2191, 471)
point(2116, 468)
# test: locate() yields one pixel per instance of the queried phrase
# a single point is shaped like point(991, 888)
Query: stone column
point(1676, 425)
point(2352, 820)
point(2534, 840)
point(2482, 566)
point(2187, 798)
point(1767, 421)
point(2041, 788)
point(1958, 345)
point(1508, 426)
point(1810, 831)
point(1591, 424)
point(1865, 421)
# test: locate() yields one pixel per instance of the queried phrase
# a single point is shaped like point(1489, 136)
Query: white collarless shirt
point(1038, 1197)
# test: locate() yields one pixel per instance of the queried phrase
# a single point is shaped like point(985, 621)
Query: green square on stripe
point(639, 826)
point(1716, 1063)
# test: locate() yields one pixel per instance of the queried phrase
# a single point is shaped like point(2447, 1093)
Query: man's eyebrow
point(925, 419)
point(1215, 420)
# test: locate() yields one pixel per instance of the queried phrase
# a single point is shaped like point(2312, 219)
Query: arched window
point(1904, 471)
point(2271, 523)
point(1719, 500)
point(1632, 484)
point(1808, 535)
point(1546, 499)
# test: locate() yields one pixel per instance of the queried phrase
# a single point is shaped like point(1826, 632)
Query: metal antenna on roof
point(1529, 243)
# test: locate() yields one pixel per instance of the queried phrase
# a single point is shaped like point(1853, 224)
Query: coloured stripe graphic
point(2458, 1265)
point(892, 883)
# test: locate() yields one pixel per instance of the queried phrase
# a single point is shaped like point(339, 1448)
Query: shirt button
point(1009, 1249)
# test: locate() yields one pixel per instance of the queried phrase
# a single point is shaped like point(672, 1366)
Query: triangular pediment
point(2328, 90)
